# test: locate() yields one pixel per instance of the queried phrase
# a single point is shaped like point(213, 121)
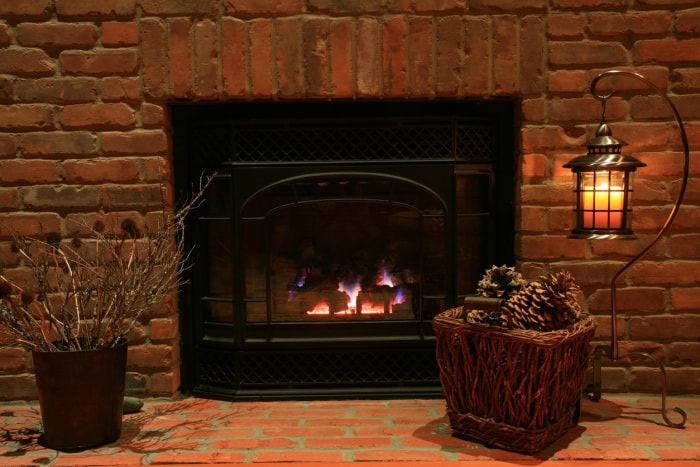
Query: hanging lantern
point(603, 188)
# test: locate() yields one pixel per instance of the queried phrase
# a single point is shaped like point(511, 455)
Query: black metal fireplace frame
point(396, 363)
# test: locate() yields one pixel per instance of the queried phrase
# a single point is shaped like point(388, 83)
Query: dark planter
point(81, 396)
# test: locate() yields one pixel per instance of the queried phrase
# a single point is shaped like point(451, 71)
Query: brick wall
point(84, 89)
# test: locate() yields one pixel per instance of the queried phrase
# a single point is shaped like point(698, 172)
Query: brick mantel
point(84, 127)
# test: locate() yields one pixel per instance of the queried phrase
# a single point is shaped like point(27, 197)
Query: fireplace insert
point(331, 235)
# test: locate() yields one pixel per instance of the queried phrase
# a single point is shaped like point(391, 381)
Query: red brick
point(420, 57)
point(667, 51)
point(548, 137)
point(101, 171)
point(57, 35)
point(394, 55)
point(261, 75)
point(677, 327)
point(28, 224)
point(398, 455)
point(120, 33)
point(567, 81)
point(168, 7)
point(588, 3)
point(18, 387)
point(119, 89)
point(9, 200)
point(688, 22)
point(341, 58)
point(12, 359)
point(250, 8)
point(180, 55)
point(332, 6)
point(369, 69)
point(205, 59)
point(152, 116)
point(685, 246)
point(505, 63)
point(315, 51)
point(6, 91)
point(58, 90)
point(669, 272)
point(685, 298)
point(164, 328)
point(427, 6)
point(58, 144)
point(96, 8)
point(684, 353)
point(99, 62)
point(354, 442)
point(173, 456)
point(449, 70)
point(4, 35)
point(586, 53)
point(8, 148)
point(233, 58)
point(153, 52)
point(678, 381)
point(585, 109)
point(99, 116)
point(23, 62)
point(642, 23)
point(27, 117)
point(509, 4)
point(288, 58)
point(134, 143)
point(533, 111)
point(53, 197)
point(26, 9)
point(476, 61)
point(531, 63)
point(566, 26)
point(532, 219)
point(155, 170)
point(686, 80)
point(28, 171)
point(131, 196)
point(549, 247)
point(149, 356)
point(297, 455)
point(165, 383)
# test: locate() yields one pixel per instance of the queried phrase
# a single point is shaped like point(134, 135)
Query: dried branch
point(89, 294)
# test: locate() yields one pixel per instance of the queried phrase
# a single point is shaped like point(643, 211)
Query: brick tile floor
point(619, 430)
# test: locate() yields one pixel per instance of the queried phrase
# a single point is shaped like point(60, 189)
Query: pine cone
point(493, 318)
point(500, 282)
point(545, 305)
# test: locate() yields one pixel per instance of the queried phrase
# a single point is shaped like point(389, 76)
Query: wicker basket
point(515, 389)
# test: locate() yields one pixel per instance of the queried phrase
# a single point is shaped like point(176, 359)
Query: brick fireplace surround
point(84, 127)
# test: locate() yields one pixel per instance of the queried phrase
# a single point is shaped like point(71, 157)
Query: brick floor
point(619, 430)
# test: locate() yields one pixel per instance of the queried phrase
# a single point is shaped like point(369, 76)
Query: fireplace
point(332, 234)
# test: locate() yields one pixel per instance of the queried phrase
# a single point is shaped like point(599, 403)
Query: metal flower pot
point(81, 396)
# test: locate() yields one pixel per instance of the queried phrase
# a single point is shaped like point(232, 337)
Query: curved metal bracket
point(613, 351)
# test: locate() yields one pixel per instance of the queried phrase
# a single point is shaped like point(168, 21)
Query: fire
point(378, 300)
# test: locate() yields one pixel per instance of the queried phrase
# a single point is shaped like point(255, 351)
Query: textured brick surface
point(621, 428)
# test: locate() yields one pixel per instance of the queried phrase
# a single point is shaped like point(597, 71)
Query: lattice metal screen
point(330, 368)
point(317, 142)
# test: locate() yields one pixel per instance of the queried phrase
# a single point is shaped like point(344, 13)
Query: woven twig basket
point(514, 389)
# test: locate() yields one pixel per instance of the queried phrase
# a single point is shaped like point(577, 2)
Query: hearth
point(331, 236)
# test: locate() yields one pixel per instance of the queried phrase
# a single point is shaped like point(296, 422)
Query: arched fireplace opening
point(331, 236)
